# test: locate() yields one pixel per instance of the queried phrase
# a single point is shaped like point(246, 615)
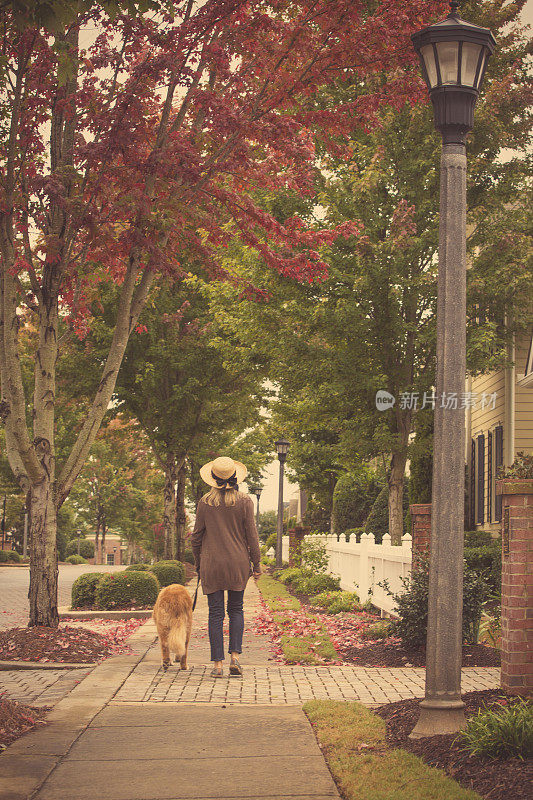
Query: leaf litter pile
point(74, 643)
point(494, 779)
point(17, 719)
point(345, 630)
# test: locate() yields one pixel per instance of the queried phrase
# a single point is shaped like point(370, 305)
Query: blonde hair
point(221, 497)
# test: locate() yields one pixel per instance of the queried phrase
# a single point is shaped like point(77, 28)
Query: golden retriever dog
point(173, 619)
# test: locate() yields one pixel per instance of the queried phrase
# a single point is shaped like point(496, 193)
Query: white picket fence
point(362, 566)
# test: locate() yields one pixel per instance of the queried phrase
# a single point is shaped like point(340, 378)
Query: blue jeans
point(215, 601)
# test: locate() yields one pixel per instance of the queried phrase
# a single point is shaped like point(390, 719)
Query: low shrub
point(312, 584)
point(4, 556)
point(84, 588)
point(337, 602)
point(271, 541)
point(288, 575)
point(501, 732)
point(188, 556)
point(168, 572)
point(486, 561)
point(86, 548)
point(76, 559)
point(137, 567)
point(411, 605)
point(353, 532)
point(13, 556)
point(378, 630)
point(124, 589)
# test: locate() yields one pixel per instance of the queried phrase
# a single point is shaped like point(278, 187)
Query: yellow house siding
point(523, 401)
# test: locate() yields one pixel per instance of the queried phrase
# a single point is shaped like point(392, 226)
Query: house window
point(472, 508)
point(480, 479)
point(110, 559)
point(498, 462)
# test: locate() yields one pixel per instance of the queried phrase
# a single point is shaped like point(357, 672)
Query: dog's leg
point(183, 661)
point(165, 652)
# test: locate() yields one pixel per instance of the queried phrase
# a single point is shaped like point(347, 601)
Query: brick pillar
point(420, 529)
point(296, 537)
point(517, 584)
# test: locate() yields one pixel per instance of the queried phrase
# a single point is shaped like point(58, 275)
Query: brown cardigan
point(224, 541)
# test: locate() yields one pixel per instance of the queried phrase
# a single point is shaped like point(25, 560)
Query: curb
point(28, 761)
point(65, 613)
point(14, 665)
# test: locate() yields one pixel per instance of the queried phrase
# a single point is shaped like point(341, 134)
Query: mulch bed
point(386, 654)
point(71, 644)
point(494, 779)
point(17, 719)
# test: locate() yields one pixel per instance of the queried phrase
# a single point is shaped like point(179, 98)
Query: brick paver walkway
point(268, 683)
point(40, 687)
point(287, 685)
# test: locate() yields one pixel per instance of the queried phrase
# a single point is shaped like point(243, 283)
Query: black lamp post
point(454, 55)
point(282, 448)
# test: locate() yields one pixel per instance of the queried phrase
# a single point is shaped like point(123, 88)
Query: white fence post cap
point(386, 539)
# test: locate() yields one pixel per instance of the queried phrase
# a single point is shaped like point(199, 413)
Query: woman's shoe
point(235, 669)
point(217, 672)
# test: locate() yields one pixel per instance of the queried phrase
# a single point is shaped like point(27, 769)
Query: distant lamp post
point(282, 448)
point(256, 489)
point(78, 533)
point(454, 55)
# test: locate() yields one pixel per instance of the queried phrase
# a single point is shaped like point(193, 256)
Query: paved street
point(14, 584)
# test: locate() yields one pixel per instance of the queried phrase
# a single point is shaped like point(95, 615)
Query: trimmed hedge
point(76, 560)
point(138, 568)
point(13, 556)
point(486, 561)
point(168, 572)
point(188, 556)
point(123, 589)
point(86, 548)
point(84, 589)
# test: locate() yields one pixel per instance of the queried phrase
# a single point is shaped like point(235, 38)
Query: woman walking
point(224, 542)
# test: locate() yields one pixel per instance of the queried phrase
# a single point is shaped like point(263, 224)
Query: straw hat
point(229, 473)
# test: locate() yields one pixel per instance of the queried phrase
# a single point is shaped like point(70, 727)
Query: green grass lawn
point(352, 739)
point(301, 649)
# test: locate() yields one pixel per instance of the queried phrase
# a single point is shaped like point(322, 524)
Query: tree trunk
point(169, 508)
point(103, 559)
point(397, 478)
point(181, 517)
point(43, 557)
point(97, 541)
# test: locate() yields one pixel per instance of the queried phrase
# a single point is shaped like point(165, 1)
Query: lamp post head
point(453, 54)
point(282, 448)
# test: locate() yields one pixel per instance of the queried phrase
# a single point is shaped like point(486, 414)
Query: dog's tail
point(177, 636)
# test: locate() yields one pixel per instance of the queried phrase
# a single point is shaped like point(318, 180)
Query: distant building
point(114, 552)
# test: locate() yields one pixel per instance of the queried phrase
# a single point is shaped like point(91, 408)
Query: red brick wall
point(517, 586)
point(420, 529)
point(296, 536)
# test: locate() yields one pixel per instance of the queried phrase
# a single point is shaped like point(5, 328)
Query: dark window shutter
point(498, 462)
point(481, 479)
point(489, 477)
point(472, 487)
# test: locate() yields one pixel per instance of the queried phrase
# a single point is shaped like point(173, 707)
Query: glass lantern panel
point(429, 60)
point(469, 63)
point(481, 70)
point(447, 55)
